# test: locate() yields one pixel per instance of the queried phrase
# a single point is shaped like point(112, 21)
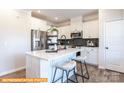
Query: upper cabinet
point(91, 26)
point(76, 24)
point(38, 24)
point(88, 24)
point(91, 29)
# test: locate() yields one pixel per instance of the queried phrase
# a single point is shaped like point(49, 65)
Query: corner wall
point(14, 39)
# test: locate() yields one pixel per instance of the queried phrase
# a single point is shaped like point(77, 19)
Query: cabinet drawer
point(92, 57)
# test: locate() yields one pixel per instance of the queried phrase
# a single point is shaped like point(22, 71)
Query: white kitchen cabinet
point(76, 24)
point(92, 57)
point(91, 29)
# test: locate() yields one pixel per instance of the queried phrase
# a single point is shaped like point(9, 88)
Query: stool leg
point(67, 75)
point(86, 70)
point(75, 76)
point(82, 71)
point(62, 76)
point(54, 75)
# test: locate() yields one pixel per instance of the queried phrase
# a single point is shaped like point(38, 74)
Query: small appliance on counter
point(92, 42)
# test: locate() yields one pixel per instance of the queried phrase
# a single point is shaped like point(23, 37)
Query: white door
point(115, 45)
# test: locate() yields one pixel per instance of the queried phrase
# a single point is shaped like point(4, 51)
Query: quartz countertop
point(42, 54)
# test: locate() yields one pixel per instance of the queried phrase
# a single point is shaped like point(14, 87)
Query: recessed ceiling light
point(56, 18)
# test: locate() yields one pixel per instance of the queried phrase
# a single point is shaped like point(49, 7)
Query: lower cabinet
point(92, 56)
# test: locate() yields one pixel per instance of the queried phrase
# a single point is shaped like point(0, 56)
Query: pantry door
point(114, 47)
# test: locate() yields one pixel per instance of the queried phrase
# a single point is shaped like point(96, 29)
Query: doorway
point(114, 45)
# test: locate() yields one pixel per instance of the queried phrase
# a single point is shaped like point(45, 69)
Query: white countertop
point(49, 56)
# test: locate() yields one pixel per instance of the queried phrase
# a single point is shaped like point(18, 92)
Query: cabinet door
point(32, 67)
point(92, 57)
point(90, 29)
point(115, 46)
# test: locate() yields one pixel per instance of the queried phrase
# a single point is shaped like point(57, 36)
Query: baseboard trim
point(12, 71)
point(101, 67)
point(92, 64)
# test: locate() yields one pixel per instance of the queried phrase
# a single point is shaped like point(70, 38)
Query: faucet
point(65, 40)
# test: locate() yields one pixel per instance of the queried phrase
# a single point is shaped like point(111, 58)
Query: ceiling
point(61, 15)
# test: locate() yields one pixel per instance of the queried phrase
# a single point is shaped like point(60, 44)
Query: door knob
point(106, 48)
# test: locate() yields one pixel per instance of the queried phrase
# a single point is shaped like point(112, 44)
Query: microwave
point(76, 35)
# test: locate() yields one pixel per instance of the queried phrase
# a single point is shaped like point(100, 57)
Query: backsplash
point(94, 42)
point(88, 42)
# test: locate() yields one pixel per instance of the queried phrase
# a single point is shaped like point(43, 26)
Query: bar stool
point(67, 68)
point(82, 60)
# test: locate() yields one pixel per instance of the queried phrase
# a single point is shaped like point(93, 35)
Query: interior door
point(115, 45)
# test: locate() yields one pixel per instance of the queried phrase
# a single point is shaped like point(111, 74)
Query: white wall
point(38, 24)
point(106, 15)
point(14, 39)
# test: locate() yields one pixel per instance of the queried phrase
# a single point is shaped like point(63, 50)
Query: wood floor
point(100, 75)
point(96, 75)
point(18, 74)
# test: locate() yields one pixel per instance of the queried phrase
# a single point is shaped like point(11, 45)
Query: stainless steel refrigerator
point(38, 40)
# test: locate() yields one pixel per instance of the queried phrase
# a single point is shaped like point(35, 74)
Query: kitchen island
point(40, 64)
